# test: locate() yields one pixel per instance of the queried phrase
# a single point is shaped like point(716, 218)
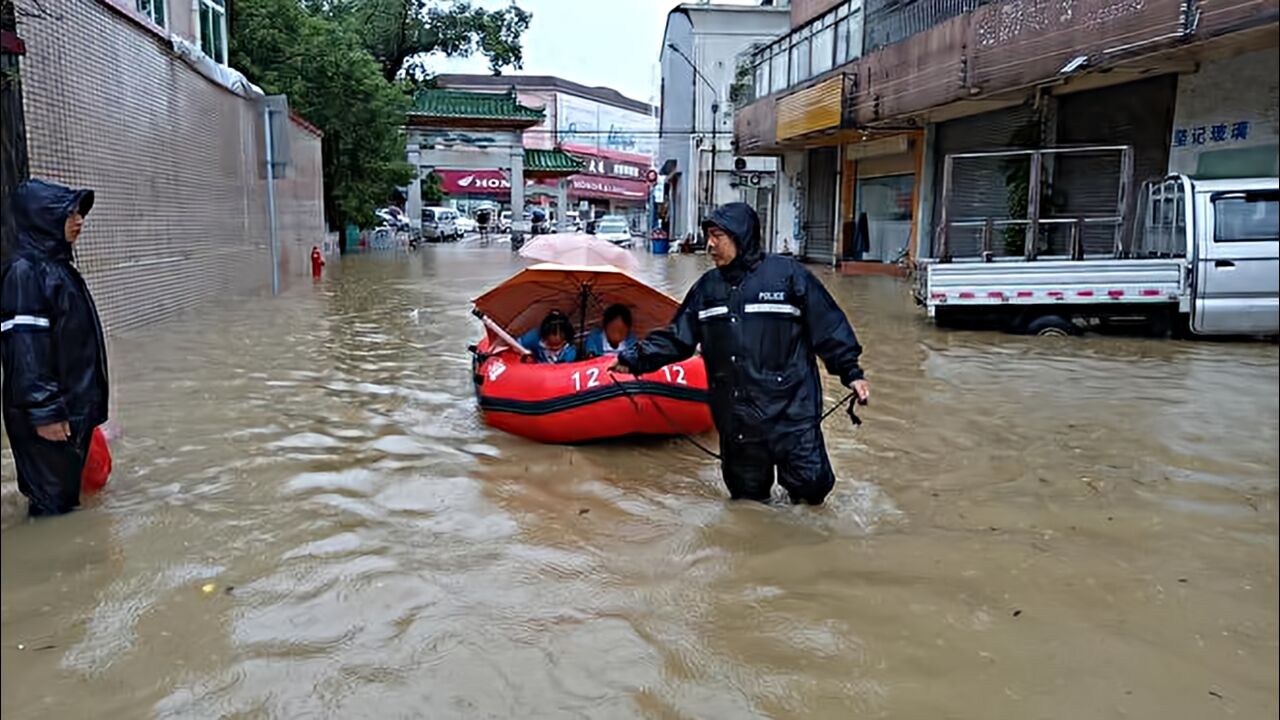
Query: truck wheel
point(1052, 326)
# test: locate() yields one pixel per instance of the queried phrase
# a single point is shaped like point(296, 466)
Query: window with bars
point(154, 10)
point(213, 29)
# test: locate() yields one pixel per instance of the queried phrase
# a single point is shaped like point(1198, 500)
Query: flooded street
point(308, 519)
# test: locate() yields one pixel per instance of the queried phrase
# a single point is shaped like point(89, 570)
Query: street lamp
point(715, 108)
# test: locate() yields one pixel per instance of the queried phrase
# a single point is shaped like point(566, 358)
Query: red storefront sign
point(596, 186)
point(495, 182)
point(474, 182)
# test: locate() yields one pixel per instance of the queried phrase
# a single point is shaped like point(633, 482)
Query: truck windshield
point(1247, 217)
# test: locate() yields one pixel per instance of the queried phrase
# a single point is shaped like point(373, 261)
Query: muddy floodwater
point(309, 520)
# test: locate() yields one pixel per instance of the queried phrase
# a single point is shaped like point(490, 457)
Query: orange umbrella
point(578, 249)
point(581, 292)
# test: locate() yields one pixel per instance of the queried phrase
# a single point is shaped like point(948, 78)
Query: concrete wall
point(790, 211)
point(676, 112)
point(300, 222)
point(713, 37)
point(802, 11)
point(1227, 106)
point(176, 161)
point(543, 135)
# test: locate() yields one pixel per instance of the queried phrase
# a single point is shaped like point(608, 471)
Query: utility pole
point(271, 199)
point(715, 109)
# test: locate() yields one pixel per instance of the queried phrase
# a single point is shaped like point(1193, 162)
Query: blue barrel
point(660, 246)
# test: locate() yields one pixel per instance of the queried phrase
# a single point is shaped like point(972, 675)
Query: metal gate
point(820, 207)
point(1138, 114)
point(980, 188)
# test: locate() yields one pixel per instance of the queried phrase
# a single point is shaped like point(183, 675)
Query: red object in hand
point(317, 262)
point(97, 467)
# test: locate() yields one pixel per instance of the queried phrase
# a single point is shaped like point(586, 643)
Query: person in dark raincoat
point(760, 320)
point(51, 346)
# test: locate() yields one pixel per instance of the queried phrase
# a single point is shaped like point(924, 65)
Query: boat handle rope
point(853, 415)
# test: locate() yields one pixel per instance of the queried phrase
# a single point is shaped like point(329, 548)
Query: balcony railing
point(841, 35)
point(891, 21)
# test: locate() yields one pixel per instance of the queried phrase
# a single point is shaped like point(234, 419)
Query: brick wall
point(175, 160)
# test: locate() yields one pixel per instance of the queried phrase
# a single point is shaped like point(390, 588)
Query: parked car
point(572, 221)
point(614, 229)
point(465, 224)
point(394, 218)
point(440, 224)
point(504, 221)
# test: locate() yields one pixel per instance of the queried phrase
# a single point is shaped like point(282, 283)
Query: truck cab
point(1235, 275)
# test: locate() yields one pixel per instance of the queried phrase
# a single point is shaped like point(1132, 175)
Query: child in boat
point(614, 333)
point(551, 342)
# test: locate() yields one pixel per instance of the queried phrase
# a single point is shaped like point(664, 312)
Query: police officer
point(760, 320)
point(51, 344)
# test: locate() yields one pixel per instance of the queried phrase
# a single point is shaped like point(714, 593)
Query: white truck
point(1199, 256)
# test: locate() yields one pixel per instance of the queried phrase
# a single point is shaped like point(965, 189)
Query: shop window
point(887, 203)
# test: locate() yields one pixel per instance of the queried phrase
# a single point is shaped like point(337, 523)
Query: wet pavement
point(308, 519)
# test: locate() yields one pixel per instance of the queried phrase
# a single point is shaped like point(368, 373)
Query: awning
point(550, 163)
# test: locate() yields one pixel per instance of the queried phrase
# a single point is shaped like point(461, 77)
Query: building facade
point(699, 62)
point(614, 136)
point(864, 100)
point(134, 100)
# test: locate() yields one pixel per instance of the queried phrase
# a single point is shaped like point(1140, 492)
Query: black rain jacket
point(51, 343)
point(760, 321)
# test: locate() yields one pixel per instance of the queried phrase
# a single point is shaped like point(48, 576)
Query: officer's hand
point(620, 367)
point(55, 432)
point(862, 390)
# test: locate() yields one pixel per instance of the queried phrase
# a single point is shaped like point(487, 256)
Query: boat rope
point(845, 401)
point(656, 406)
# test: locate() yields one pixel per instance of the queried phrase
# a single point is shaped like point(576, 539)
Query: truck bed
point(1050, 282)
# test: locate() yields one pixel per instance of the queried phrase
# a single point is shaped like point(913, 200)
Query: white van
point(440, 224)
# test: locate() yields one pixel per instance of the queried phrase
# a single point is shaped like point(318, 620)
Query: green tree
point(401, 34)
point(332, 81)
point(432, 191)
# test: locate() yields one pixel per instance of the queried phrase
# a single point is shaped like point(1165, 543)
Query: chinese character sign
point(1215, 134)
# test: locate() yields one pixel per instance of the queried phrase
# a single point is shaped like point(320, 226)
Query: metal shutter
point(1136, 113)
point(978, 186)
point(820, 213)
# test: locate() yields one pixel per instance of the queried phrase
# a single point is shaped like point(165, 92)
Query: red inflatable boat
point(580, 401)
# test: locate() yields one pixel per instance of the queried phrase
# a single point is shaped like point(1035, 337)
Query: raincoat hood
point(40, 211)
point(742, 224)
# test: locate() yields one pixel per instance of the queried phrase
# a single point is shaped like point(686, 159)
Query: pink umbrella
point(578, 249)
point(582, 292)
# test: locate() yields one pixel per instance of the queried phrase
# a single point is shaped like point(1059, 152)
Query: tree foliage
point(432, 189)
point(337, 61)
point(401, 34)
point(332, 81)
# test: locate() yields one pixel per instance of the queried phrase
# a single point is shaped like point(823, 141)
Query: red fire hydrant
point(317, 262)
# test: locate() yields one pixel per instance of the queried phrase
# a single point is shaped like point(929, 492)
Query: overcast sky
point(612, 43)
